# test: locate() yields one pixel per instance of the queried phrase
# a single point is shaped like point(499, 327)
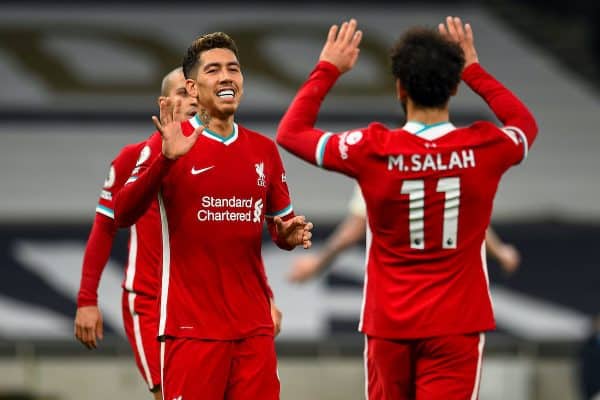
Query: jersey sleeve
point(519, 128)
point(297, 134)
point(96, 255)
point(118, 173)
point(143, 184)
point(100, 241)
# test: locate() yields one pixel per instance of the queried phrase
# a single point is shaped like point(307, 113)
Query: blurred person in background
point(353, 229)
point(429, 189)
point(142, 274)
point(217, 183)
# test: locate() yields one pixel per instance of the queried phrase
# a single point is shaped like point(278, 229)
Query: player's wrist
point(87, 303)
point(169, 156)
point(329, 66)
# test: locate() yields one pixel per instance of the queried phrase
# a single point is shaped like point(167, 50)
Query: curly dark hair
point(209, 41)
point(428, 66)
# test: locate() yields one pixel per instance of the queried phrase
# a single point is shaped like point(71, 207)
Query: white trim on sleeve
point(517, 136)
point(320, 150)
point(100, 209)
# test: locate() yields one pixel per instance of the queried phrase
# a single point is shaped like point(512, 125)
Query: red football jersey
point(143, 265)
point(429, 192)
point(213, 204)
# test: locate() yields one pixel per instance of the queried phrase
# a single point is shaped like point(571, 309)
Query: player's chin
point(228, 109)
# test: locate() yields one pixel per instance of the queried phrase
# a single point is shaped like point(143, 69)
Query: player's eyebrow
point(218, 64)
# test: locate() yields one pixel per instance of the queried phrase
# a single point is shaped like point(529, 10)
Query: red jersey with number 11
point(429, 192)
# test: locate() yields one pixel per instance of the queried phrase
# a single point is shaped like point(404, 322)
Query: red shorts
point(446, 367)
point(140, 318)
point(220, 370)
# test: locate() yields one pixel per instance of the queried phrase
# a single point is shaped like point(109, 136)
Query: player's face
point(219, 82)
point(189, 104)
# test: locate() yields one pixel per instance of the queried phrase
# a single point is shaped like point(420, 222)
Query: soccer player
point(429, 188)
point(352, 230)
point(142, 282)
point(216, 185)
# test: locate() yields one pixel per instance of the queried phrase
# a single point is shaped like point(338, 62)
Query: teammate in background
point(352, 230)
point(142, 276)
point(217, 185)
point(141, 284)
point(429, 189)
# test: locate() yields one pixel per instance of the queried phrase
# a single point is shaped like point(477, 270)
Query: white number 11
point(416, 214)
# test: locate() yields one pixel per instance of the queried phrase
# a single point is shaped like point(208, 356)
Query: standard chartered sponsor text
point(210, 211)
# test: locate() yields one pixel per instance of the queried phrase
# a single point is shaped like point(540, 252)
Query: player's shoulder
point(488, 131)
point(376, 130)
point(378, 134)
point(377, 127)
point(483, 127)
point(132, 149)
point(128, 152)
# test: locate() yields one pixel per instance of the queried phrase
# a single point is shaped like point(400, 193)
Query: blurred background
point(78, 80)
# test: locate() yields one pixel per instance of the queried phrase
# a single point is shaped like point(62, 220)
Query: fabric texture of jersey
point(429, 192)
point(213, 204)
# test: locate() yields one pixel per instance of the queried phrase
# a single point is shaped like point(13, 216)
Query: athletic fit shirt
point(213, 204)
point(142, 274)
point(429, 192)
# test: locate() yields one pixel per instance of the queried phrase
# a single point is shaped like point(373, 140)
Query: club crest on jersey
point(260, 171)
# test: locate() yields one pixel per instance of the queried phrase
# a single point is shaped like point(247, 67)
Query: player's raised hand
point(341, 48)
point(295, 231)
point(174, 143)
point(88, 326)
point(456, 31)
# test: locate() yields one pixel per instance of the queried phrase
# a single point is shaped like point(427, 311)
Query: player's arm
point(296, 132)
point(145, 181)
point(286, 229)
point(135, 197)
point(88, 319)
point(506, 106)
point(506, 254)
point(351, 230)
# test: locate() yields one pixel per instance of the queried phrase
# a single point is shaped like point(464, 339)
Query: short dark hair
point(428, 66)
point(209, 41)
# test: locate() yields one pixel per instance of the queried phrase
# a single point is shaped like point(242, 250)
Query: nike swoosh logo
point(201, 170)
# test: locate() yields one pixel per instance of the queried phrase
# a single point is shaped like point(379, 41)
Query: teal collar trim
point(225, 140)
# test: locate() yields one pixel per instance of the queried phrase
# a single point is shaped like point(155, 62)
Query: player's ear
point(191, 87)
